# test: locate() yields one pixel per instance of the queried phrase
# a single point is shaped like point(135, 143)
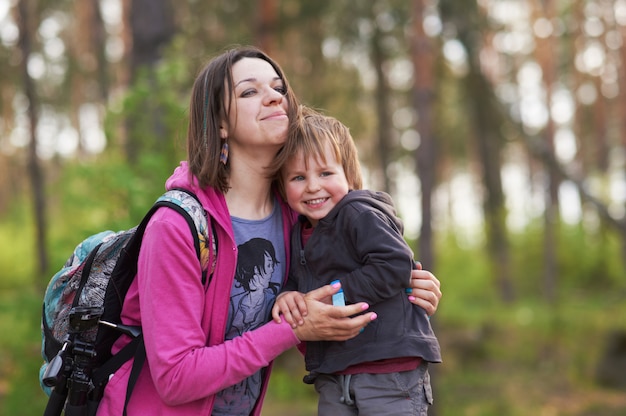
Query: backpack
point(82, 307)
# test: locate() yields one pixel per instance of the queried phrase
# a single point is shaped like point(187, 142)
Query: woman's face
point(258, 116)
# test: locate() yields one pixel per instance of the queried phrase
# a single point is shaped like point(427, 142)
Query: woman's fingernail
point(411, 298)
point(335, 283)
point(364, 306)
point(408, 290)
point(361, 330)
point(374, 316)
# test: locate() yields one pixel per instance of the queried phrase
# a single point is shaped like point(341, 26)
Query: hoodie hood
point(379, 200)
point(182, 178)
point(212, 200)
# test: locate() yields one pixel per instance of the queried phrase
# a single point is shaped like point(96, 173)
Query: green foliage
point(153, 113)
point(527, 358)
point(592, 259)
point(588, 259)
point(20, 353)
point(106, 194)
point(113, 190)
point(286, 387)
point(531, 356)
point(16, 241)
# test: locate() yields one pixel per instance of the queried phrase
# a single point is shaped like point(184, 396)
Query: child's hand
point(424, 290)
point(291, 306)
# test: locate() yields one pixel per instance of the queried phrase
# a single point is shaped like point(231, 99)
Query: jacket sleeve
point(172, 302)
point(385, 258)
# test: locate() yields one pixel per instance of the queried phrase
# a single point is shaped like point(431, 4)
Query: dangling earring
point(224, 153)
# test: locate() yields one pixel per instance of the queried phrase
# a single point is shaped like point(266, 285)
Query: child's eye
point(297, 178)
point(323, 174)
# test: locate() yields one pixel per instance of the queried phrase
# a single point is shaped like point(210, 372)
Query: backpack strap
point(102, 373)
point(140, 359)
point(85, 273)
point(197, 218)
point(189, 206)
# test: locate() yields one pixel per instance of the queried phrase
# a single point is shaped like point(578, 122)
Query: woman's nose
point(273, 96)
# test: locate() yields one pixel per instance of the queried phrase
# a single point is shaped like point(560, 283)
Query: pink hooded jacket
point(187, 360)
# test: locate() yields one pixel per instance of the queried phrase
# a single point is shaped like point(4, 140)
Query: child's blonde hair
point(309, 134)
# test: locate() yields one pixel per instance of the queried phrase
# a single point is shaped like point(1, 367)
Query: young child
point(352, 235)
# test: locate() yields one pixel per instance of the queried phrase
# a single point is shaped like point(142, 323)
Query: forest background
point(498, 126)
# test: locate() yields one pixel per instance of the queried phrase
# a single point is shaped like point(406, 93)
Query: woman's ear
point(223, 133)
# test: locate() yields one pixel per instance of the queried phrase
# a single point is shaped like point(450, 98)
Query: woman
point(197, 362)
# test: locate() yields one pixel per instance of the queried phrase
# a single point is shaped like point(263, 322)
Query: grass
point(516, 365)
point(522, 359)
point(518, 360)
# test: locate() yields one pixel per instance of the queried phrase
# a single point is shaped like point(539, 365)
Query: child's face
point(314, 188)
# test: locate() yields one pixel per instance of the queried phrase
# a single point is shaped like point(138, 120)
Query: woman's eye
point(281, 89)
point(248, 93)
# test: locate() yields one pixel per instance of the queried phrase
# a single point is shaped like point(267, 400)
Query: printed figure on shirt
point(256, 291)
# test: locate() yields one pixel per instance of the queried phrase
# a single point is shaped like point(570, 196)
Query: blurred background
point(498, 126)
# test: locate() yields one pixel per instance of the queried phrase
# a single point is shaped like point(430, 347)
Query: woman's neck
point(250, 194)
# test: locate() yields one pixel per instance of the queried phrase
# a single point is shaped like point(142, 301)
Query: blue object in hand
point(338, 298)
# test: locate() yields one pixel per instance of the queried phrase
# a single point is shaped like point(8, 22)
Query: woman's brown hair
point(209, 104)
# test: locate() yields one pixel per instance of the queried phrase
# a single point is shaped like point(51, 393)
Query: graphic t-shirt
point(258, 279)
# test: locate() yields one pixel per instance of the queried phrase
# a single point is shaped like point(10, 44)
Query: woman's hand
point(325, 322)
point(426, 290)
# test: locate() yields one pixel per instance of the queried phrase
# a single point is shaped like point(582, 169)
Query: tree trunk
point(579, 123)
point(266, 26)
point(600, 112)
point(545, 57)
point(622, 111)
point(422, 55)
point(423, 97)
point(622, 89)
point(152, 27)
point(382, 107)
point(88, 64)
point(486, 120)
point(489, 146)
point(34, 168)
point(98, 41)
